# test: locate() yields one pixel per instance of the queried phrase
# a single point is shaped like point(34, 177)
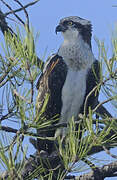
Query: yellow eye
point(70, 23)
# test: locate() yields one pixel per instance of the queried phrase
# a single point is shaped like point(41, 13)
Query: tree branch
point(42, 159)
point(7, 5)
point(36, 160)
point(108, 170)
point(5, 28)
point(20, 9)
point(25, 12)
point(102, 111)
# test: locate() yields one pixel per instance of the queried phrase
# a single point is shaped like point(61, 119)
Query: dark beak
point(60, 28)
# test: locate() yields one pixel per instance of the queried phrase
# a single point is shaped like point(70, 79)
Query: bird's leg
point(61, 132)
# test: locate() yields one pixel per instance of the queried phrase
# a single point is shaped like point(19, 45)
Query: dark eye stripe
point(65, 22)
point(68, 22)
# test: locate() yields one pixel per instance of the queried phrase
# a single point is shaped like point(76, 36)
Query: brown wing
point(50, 85)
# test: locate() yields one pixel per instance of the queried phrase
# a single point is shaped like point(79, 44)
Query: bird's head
point(72, 26)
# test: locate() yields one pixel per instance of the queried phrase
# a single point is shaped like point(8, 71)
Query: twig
point(31, 82)
point(5, 28)
point(8, 129)
point(102, 111)
point(13, 12)
point(14, 20)
point(108, 170)
point(6, 72)
point(33, 162)
point(95, 88)
point(20, 9)
point(5, 81)
point(68, 170)
point(97, 105)
point(108, 100)
point(21, 97)
point(90, 164)
point(26, 13)
point(13, 142)
point(97, 149)
point(7, 116)
point(109, 153)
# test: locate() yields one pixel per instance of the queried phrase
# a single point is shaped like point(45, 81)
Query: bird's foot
point(61, 132)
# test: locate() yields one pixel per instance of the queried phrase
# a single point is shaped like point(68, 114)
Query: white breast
point(78, 56)
point(73, 94)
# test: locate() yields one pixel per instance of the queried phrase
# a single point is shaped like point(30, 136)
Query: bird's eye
point(70, 23)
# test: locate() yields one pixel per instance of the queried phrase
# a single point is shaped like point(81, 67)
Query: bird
point(67, 78)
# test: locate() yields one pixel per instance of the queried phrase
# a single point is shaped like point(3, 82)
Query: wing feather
point(93, 78)
point(51, 82)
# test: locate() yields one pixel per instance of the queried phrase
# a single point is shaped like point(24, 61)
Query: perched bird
point(68, 77)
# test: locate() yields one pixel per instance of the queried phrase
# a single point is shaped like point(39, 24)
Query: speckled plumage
point(68, 76)
point(76, 54)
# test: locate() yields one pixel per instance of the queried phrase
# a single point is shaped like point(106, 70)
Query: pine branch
point(25, 12)
point(5, 28)
point(102, 111)
point(46, 162)
point(108, 170)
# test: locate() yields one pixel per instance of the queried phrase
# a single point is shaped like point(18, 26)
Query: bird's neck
point(76, 53)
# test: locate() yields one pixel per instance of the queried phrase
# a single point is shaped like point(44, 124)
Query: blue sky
point(47, 13)
point(45, 16)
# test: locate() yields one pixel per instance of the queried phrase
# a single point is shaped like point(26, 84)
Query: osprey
point(68, 77)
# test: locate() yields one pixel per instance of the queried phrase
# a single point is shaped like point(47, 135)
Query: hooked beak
point(60, 28)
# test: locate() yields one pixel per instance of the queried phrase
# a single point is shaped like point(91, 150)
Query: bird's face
point(68, 29)
point(72, 26)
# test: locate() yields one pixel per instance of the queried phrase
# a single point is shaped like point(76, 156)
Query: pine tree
point(19, 70)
